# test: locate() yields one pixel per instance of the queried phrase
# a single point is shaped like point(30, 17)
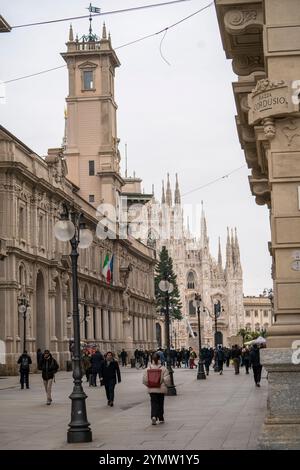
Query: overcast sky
point(174, 118)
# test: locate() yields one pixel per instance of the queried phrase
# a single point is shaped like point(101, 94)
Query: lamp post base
point(201, 374)
point(79, 427)
point(82, 435)
point(171, 388)
point(171, 391)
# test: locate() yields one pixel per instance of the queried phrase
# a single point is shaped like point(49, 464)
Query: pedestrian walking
point(124, 357)
point(255, 363)
point(157, 379)
point(193, 356)
point(49, 367)
point(39, 356)
point(236, 354)
point(220, 359)
point(24, 361)
point(110, 373)
point(246, 358)
point(96, 362)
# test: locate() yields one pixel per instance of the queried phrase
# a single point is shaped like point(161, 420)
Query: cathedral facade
point(198, 272)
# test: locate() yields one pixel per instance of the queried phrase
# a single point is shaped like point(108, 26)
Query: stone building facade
point(262, 39)
point(258, 313)
point(33, 262)
point(199, 272)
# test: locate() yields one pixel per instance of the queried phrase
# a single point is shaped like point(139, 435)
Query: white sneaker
point(153, 421)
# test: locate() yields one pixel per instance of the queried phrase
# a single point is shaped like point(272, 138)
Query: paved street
point(222, 412)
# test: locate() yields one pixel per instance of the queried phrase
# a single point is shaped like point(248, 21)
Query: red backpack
point(154, 378)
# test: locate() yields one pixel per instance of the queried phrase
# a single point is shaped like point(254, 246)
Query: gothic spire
point(228, 252)
point(169, 193)
point(238, 266)
point(233, 248)
point(219, 254)
point(204, 238)
point(163, 198)
point(177, 192)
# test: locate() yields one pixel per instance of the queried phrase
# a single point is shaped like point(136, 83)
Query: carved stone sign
point(271, 99)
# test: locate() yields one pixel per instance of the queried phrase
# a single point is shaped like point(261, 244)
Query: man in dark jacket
point(49, 367)
point(124, 357)
point(24, 361)
point(110, 372)
point(220, 357)
point(255, 363)
point(96, 361)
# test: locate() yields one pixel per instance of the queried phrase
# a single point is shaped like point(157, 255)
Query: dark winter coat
point(24, 361)
point(254, 357)
point(110, 371)
point(96, 361)
point(49, 367)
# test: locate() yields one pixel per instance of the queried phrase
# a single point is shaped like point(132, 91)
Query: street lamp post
point(22, 309)
point(217, 313)
point(200, 374)
point(75, 232)
point(167, 287)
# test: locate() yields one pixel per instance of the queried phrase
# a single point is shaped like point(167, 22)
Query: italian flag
point(107, 269)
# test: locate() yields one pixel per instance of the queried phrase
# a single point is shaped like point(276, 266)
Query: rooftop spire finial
point(104, 33)
point(71, 35)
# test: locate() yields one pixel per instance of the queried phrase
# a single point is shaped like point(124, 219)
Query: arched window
point(191, 281)
point(257, 327)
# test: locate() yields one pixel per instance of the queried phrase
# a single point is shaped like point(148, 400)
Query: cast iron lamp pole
point(217, 312)
point(74, 231)
point(200, 374)
point(22, 309)
point(167, 287)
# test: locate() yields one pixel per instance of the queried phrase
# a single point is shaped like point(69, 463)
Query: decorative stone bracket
point(237, 21)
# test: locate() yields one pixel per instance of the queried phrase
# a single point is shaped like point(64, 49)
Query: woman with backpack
point(157, 379)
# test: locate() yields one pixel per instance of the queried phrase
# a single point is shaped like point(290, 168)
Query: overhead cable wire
point(104, 13)
point(121, 46)
point(214, 181)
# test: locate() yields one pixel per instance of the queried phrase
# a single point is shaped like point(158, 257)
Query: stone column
point(50, 313)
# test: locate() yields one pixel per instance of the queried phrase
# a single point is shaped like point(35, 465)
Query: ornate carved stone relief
point(236, 21)
point(246, 64)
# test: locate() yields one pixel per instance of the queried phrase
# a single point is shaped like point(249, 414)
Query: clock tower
point(91, 150)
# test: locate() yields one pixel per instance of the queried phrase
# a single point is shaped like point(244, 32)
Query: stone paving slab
point(222, 412)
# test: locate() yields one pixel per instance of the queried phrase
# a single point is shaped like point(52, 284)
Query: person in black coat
point(110, 372)
point(255, 363)
point(24, 361)
point(96, 361)
point(39, 356)
point(49, 367)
